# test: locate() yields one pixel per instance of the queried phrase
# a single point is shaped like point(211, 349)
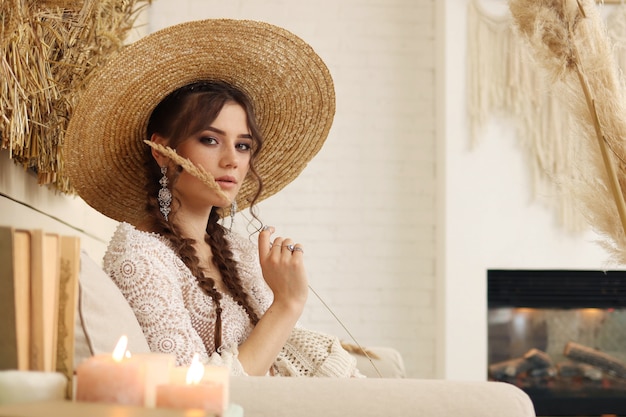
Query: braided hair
point(184, 112)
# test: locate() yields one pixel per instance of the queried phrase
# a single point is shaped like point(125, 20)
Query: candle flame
point(120, 349)
point(195, 371)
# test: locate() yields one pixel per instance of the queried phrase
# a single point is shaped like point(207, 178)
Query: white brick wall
point(364, 208)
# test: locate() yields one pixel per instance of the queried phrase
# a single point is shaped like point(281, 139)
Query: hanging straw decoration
point(570, 43)
point(503, 81)
point(48, 51)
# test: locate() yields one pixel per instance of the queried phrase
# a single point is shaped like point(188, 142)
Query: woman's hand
point(282, 263)
point(283, 270)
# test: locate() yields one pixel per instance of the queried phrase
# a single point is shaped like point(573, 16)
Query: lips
point(226, 181)
point(226, 178)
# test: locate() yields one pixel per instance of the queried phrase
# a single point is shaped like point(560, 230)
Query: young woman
point(250, 104)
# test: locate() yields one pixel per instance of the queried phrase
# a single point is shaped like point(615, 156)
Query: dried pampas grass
point(49, 50)
point(569, 42)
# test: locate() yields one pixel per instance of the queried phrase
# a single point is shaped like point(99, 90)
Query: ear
point(160, 159)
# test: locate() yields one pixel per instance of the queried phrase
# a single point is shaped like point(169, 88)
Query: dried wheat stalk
point(195, 170)
point(358, 350)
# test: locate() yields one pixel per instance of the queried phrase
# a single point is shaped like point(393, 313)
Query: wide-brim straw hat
point(288, 84)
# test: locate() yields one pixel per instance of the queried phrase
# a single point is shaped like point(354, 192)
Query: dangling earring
point(165, 196)
point(233, 211)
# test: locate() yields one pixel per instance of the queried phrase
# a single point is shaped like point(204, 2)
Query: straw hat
point(290, 88)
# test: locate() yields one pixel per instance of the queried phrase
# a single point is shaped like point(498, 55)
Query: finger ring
point(290, 248)
point(298, 249)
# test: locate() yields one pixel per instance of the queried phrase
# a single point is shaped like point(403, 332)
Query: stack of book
point(38, 295)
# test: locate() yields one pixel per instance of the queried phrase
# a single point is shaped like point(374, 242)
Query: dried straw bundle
point(569, 41)
point(48, 51)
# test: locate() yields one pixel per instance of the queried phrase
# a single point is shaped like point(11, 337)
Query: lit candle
point(115, 379)
point(218, 375)
point(212, 373)
point(31, 386)
point(194, 394)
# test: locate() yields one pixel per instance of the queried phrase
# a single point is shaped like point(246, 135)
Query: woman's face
point(224, 151)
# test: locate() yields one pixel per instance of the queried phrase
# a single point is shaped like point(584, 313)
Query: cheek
point(188, 181)
point(203, 158)
point(244, 163)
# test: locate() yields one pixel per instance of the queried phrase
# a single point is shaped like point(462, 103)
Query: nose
point(228, 158)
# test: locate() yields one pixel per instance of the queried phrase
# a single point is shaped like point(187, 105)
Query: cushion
point(375, 397)
point(103, 315)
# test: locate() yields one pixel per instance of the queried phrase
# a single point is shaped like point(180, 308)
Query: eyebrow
point(221, 132)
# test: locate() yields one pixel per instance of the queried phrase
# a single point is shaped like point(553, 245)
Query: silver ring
point(298, 249)
point(290, 248)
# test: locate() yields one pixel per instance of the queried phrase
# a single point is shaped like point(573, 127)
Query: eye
point(209, 140)
point(243, 146)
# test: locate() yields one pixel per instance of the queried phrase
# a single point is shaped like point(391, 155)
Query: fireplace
point(560, 336)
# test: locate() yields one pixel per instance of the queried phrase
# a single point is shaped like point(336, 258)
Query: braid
point(223, 260)
point(182, 246)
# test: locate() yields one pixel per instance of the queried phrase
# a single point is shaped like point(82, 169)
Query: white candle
point(194, 393)
point(112, 378)
point(31, 386)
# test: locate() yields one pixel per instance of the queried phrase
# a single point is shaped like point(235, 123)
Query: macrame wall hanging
point(503, 80)
point(48, 50)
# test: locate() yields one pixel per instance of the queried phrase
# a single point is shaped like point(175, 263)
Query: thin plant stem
point(347, 331)
point(616, 190)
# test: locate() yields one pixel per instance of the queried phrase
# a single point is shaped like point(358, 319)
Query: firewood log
point(595, 357)
point(509, 368)
point(538, 358)
point(570, 369)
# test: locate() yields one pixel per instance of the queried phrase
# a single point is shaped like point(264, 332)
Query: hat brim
point(289, 85)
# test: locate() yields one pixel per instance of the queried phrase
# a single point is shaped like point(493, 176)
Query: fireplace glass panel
point(515, 331)
point(570, 360)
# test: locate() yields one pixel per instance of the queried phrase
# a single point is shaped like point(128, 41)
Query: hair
point(184, 112)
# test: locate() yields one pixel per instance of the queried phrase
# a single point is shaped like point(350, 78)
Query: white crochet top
point(177, 317)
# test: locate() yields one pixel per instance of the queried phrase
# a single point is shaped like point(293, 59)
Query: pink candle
point(219, 375)
point(194, 394)
point(112, 379)
point(158, 370)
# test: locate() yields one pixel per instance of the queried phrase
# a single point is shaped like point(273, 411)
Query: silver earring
point(233, 211)
point(165, 196)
